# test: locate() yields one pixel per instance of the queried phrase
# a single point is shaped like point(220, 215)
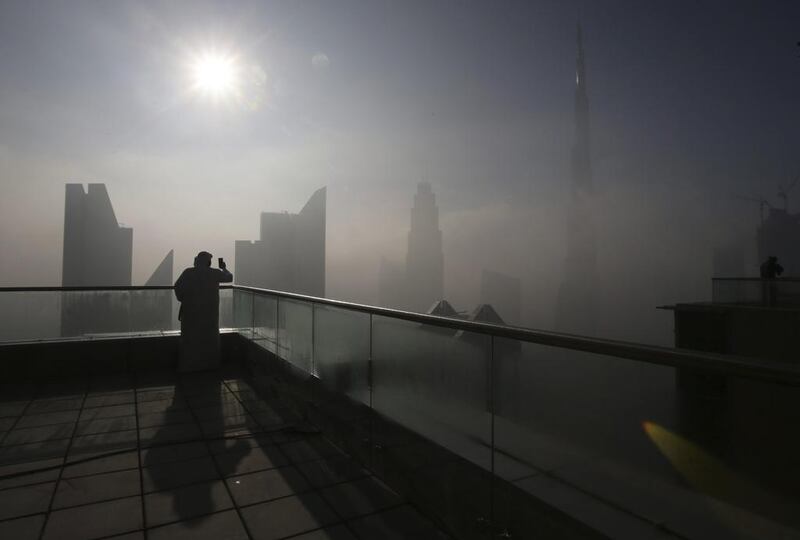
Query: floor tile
point(156, 394)
point(288, 516)
point(27, 528)
point(26, 500)
point(397, 524)
point(12, 408)
point(186, 502)
point(96, 488)
point(106, 425)
point(100, 442)
point(82, 464)
point(337, 532)
point(309, 449)
point(34, 451)
point(108, 412)
point(34, 420)
point(181, 473)
point(107, 400)
point(95, 520)
point(48, 475)
point(160, 405)
point(243, 458)
point(266, 485)
point(40, 406)
point(359, 497)
point(166, 417)
point(173, 433)
point(138, 535)
point(324, 472)
point(220, 446)
point(227, 408)
point(222, 526)
point(175, 452)
point(38, 434)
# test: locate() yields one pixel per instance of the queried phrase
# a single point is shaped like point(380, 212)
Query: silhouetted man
point(197, 289)
point(770, 269)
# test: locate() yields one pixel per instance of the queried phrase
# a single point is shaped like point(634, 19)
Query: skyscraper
point(425, 258)
point(290, 253)
point(575, 312)
point(97, 250)
point(152, 310)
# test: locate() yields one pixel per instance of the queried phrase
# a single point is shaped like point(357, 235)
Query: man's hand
point(222, 265)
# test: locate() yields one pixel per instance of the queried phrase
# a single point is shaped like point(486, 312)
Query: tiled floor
point(201, 456)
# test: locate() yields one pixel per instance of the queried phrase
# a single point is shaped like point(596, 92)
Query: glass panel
point(341, 351)
point(294, 337)
point(704, 455)
point(431, 383)
point(153, 310)
point(243, 312)
point(30, 315)
point(34, 315)
point(226, 308)
point(264, 321)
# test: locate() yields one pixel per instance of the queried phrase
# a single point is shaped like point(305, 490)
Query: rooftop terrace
point(336, 420)
point(191, 456)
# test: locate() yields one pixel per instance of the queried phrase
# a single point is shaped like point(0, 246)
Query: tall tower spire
point(575, 312)
point(581, 160)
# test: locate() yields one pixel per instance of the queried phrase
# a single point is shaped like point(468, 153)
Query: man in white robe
point(197, 289)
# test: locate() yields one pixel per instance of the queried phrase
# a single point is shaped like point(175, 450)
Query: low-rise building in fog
point(290, 253)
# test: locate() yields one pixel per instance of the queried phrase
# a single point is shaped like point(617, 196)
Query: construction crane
point(783, 193)
point(763, 204)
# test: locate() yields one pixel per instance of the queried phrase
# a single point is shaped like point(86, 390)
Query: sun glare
point(215, 75)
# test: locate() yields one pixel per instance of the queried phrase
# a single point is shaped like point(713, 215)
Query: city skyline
point(484, 112)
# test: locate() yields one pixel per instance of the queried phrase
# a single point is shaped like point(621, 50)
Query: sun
point(215, 75)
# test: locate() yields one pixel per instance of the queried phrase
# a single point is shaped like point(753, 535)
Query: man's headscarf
point(203, 259)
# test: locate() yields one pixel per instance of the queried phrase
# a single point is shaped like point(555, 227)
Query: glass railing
point(632, 440)
point(629, 439)
point(780, 292)
point(54, 313)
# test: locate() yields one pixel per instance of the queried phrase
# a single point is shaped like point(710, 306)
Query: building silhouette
point(290, 252)
point(97, 252)
point(151, 310)
point(575, 310)
point(503, 293)
point(421, 284)
point(425, 258)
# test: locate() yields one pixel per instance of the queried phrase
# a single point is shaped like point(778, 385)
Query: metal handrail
point(730, 365)
point(777, 279)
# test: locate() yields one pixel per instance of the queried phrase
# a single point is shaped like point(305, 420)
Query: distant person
point(770, 269)
point(197, 289)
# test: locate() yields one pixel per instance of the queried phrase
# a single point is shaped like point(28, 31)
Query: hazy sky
point(692, 104)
